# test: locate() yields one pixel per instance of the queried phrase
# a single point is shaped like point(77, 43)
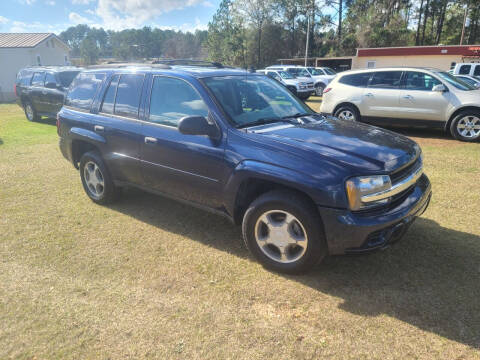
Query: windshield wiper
point(261, 121)
point(295, 116)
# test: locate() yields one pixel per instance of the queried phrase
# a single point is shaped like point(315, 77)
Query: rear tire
point(347, 112)
point(284, 232)
point(466, 126)
point(96, 179)
point(30, 112)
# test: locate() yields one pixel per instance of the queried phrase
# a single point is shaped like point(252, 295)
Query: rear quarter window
point(358, 80)
point(83, 90)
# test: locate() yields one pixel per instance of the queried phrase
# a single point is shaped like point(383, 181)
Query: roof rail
point(126, 65)
point(189, 62)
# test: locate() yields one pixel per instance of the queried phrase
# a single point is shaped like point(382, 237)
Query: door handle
point(369, 95)
point(409, 97)
point(99, 128)
point(150, 140)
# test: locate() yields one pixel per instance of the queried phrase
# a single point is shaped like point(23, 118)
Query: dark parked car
point(303, 186)
point(40, 90)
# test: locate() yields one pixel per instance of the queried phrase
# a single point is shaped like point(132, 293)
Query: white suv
point(320, 76)
point(302, 87)
point(472, 69)
point(406, 97)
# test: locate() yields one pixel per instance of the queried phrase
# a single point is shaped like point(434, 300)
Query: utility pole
point(464, 23)
point(308, 39)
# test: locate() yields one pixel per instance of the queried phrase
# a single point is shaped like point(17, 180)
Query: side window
point(38, 79)
point(83, 90)
point(420, 81)
point(476, 72)
point(173, 99)
point(464, 69)
point(129, 90)
point(386, 80)
point(50, 78)
point(25, 77)
point(109, 98)
point(358, 80)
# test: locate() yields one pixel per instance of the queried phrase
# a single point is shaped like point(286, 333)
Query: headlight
point(358, 187)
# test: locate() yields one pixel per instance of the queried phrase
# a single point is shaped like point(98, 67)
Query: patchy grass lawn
point(152, 278)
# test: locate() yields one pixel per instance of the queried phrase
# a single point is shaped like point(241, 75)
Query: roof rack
point(189, 62)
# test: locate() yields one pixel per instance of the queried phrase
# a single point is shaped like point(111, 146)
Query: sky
point(57, 15)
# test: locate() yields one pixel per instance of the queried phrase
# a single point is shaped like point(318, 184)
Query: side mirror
point(439, 88)
point(198, 125)
point(51, 85)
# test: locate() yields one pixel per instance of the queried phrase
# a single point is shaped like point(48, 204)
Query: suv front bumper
point(350, 232)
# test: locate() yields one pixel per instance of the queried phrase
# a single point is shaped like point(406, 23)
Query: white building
point(18, 50)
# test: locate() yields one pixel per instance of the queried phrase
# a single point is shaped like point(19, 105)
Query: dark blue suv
point(301, 185)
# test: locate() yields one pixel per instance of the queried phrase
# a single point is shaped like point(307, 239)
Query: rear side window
point(38, 79)
point(476, 72)
point(109, 99)
point(173, 99)
point(83, 90)
point(386, 80)
point(66, 77)
point(128, 95)
point(358, 80)
point(24, 77)
point(464, 69)
point(420, 81)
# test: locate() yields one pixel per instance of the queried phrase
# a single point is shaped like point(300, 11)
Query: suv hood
point(353, 144)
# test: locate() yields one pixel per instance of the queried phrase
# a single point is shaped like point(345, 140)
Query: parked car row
point(301, 184)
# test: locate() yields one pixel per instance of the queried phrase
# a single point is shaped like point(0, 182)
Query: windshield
point(315, 72)
point(299, 72)
point(467, 80)
point(286, 75)
point(329, 71)
point(66, 77)
point(452, 80)
point(250, 99)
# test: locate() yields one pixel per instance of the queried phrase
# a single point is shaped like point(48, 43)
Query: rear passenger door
point(36, 91)
point(185, 166)
point(52, 97)
point(118, 122)
point(381, 97)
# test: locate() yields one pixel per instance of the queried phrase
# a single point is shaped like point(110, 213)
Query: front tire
point(347, 112)
point(96, 180)
point(466, 126)
point(30, 112)
point(319, 89)
point(284, 232)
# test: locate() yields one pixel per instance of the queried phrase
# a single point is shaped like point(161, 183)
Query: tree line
point(258, 32)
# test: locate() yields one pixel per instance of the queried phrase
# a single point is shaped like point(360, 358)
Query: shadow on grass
point(47, 121)
point(431, 279)
point(1, 141)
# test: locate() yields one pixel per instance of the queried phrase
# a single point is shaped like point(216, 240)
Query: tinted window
point(359, 80)
point(386, 80)
point(24, 77)
point(50, 78)
point(83, 90)
point(464, 69)
point(173, 99)
point(128, 95)
point(38, 79)
point(66, 77)
point(476, 72)
point(420, 81)
point(109, 99)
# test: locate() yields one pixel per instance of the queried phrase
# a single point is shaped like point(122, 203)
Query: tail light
point(327, 90)
point(15, 89)
point(58, 124)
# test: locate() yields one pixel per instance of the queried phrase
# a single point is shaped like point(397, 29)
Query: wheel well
point(320, 83)
point(80, 147)
point(251, 189)
point(458, 111)
point(343, 104)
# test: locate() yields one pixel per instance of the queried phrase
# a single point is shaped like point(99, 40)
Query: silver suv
point(321, 76)
point(302, 87)
point(417, 97)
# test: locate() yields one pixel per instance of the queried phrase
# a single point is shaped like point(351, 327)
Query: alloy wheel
point(281, 236)
point(94, 179)
point(469, 126)
point(346, 115)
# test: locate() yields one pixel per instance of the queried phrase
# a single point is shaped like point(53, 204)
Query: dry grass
point(151, 278)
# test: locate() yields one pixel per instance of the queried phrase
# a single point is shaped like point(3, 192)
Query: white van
point(472, 69)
